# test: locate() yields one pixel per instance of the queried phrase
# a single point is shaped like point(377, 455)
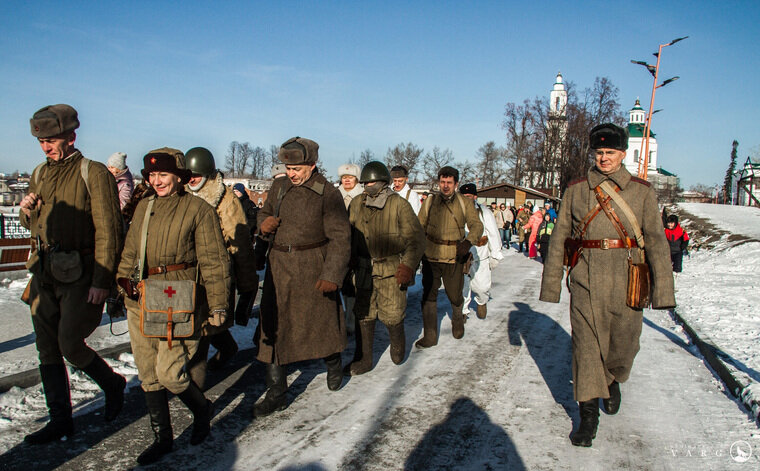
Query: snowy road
point(500, 398)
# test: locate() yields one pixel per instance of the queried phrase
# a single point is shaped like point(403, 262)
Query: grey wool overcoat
point(299, 322)
point(605, 331)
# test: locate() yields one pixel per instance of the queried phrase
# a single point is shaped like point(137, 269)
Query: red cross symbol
point(169, 291)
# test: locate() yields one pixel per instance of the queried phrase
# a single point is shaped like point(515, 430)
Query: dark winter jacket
point(677, 238)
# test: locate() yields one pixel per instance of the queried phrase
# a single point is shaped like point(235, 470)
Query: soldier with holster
point(72, 210)
point(386, 247)
point(443, 217)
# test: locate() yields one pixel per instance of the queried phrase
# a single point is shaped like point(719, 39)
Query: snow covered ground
point(718, 293)
point(500, 398)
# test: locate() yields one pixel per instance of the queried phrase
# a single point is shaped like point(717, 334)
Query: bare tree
point(244, 159)
point(467, 171)
point(231, 159)
point(433, 161)
point(490, 164)
point(519, 127)
point(365, 157)
point(407, 155)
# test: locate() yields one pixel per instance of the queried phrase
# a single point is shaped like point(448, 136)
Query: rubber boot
point(429, 325)
point(202, 410)
point(457, 322)
point(197, 365)
point(589, 422)
point(226, 348)
point(55, 384)
point(351, 321)
point(111, 383)
point(612, 405)
point(398, 342)
point(362, 361)
point(335, 370)
point(482, 311)
point(277, 386)
point(160, 422)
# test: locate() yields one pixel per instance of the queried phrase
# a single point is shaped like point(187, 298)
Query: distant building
point(257, 189)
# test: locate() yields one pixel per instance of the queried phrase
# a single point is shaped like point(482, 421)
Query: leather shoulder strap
point(627, 212)
point(144, 237)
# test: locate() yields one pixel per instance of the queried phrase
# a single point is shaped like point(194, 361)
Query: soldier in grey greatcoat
point(306, 221)
point(605, 331)
point(72, 211)
point(386, 246)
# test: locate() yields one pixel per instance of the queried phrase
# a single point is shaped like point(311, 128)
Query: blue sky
point(357, 75)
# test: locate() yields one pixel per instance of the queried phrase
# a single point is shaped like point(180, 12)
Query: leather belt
point(161, 269)
point(295, 248)
point(440, 241)
point(47, 247)
point(605, 244)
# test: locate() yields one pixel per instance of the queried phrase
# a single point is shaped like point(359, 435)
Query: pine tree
point(727, 197)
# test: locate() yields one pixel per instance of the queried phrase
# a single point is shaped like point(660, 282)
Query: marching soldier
point(485, 256)
point(443, 217)
point(72, 210)
point(605, 330)
point(207, 183)
point(387, 244)
point(306, 221)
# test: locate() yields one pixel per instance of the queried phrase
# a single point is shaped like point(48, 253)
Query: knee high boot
point(430, 325)
point(111, 383)
point(398, 342)
point(365, 338)
point(457, 322)
point(55, 384)
point(160, 422)
point(202, 410)
point(277, 385)
point(335, 371)
point(351, 320)
point(226, 348)
point(589, 422)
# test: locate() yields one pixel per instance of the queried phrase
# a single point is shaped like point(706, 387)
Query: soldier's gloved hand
point(326, 286)
point(269, 225)
point(493, 263)
point(404, 275)
point(217, 317)
point(243, 308)
point(463, 246)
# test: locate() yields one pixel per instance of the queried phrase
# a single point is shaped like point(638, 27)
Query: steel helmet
point(200, 161)
point(375, 171)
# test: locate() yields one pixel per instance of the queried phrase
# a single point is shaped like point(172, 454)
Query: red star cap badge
point(153, 160)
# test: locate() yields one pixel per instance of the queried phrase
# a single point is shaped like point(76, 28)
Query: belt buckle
point(290, 249)
point(604, 244)
point(161, 269)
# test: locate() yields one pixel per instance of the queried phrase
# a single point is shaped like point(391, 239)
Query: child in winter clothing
point(678, 240)
point(544, 233)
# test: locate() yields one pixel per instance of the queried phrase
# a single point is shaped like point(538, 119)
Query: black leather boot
point(335, 371)
point(111, 383)
point(589, 422)
point(226, 348)
point(398, 342)
point(202, 410)
point(277, 385)
point(457, 322)
point(55, 384)
point(612, 405)
point(429, 325)
point(365, 338)
point(160, 422)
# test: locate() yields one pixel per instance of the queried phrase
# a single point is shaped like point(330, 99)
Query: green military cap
point(299, 151)
point(54, 120)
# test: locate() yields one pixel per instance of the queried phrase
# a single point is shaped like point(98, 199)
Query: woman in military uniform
point(183, 242)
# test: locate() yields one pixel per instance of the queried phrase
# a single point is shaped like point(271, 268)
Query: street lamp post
point(654, 70)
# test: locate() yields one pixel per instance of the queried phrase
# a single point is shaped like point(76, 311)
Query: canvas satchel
point(167, 307)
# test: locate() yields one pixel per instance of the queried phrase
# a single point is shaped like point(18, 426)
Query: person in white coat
point(486, 255)
point(400, 176)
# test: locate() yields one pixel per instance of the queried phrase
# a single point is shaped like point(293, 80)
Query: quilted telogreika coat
point(298, 322)
point(182, 229)
point(605, 330)
point(443, 219)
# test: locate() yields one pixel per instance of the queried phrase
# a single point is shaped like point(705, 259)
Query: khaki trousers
point(159, 367)
point(451, 275)
point(384, 300)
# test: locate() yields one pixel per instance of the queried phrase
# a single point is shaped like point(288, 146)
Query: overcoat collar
point(621, 178)
point(213, 191)
point(315, 183)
